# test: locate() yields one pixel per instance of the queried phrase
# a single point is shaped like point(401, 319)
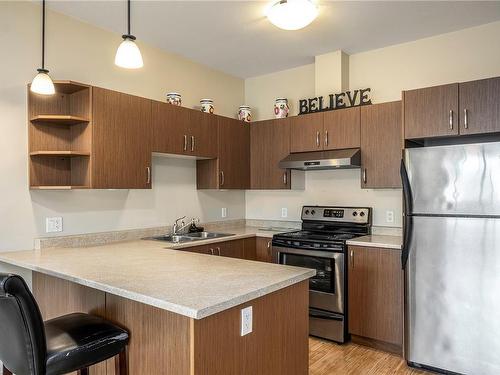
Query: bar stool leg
point(5, 371)
point(83, 371)
point(121, 363)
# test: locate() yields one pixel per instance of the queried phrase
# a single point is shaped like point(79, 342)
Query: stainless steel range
point(321, 245)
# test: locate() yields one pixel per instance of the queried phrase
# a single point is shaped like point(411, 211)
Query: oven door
point(326, 289)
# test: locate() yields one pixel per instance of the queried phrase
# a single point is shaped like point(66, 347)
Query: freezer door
point(453, 295)
point(455, 180)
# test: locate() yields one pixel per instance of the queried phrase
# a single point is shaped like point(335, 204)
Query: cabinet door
point(269, 142)
point(250, 251)
point(121, 141)
point(480, 106)
point(306, 132)
point(203, 249)
point(431, 112)
point(341, 128)
point(170, 128)
point(203, 135)
point(264, 249)
point(375, 294)
point(381, 144)
point(234, 154)
point(231, 249)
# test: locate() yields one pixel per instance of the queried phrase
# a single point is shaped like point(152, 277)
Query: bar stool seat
point(73, 342)
point(78, 340)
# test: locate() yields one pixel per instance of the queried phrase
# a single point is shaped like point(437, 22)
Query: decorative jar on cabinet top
point(174, 98)
point(245, 113)
point(281, 108)
point(207, 105)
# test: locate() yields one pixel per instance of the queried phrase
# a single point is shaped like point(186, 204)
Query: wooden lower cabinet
point(203, 249)
point(264, 249)
point(241, 249)
point(165, 343)
point(375, 283)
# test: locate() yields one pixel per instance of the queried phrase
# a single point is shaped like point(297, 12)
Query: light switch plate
point(246, 320)
point(389, 216)
point(224, 212)
point(53, 224)
point(284, 212)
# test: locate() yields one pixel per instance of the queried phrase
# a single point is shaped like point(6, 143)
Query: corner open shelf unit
point(60, 137)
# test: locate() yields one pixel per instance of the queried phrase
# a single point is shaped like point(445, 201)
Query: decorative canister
point(174, 98)
point(207, 105)
point(245, 113)
point(281, 108)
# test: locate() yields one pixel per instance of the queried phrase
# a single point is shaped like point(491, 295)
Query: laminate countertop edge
point(379, 241)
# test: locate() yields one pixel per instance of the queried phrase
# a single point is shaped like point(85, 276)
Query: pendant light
point(42, 83)
point(128, 54)
point(292, 14)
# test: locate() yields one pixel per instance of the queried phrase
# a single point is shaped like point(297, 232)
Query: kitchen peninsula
point(183, 309)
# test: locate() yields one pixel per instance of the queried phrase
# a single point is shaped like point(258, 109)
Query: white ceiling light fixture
point(128, 54)
point(292, 14)
point(42, 83)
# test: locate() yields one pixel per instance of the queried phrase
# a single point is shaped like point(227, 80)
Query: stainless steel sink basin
point(188, 237)
point(206, 235)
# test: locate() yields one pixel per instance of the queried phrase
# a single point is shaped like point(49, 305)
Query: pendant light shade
point(128, 54)
point(42, 83)
point(292, 14)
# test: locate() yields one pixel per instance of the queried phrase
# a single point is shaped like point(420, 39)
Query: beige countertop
point(389, 242)
point(190, 284)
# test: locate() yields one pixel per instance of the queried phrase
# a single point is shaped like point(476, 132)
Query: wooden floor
point(327, 358)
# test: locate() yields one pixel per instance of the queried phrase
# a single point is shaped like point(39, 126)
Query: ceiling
point(236, 38)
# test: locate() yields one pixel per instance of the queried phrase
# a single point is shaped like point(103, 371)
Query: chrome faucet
point(176, 228)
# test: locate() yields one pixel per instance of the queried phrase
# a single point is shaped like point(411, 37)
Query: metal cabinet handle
point(352, 258)
point(285, 178)
point(222, 178)
point(364, 175)
point(148, 170)
point(317, 139)
point(185, 142)
point(466, 120)
point(218, 249)
point(212, 251)
point(326, 138)
point(451, 119)
point(192, 143)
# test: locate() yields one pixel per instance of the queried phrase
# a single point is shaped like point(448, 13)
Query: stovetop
point(321, 236)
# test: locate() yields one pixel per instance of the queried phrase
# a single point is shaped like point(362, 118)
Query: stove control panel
point(359, 215)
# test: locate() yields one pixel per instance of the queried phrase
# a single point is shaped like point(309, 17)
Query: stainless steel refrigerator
point(451, 257)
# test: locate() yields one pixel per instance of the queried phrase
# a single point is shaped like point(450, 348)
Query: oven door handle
point(308, 253)
point(325, 316)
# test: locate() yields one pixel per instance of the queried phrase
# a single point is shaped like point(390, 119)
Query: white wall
point(459, 56)
point(81, 52)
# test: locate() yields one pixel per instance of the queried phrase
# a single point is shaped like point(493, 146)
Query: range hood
point(319, 160)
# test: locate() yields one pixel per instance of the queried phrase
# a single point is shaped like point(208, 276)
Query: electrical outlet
point(246, 320)
point(389, 216)
point(284, 212)
point(224, 212)
point(53, 224)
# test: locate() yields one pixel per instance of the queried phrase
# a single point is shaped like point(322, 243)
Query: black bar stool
point(74, 342)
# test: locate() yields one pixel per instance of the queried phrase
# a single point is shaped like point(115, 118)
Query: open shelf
point(63, 187)
point(59, 119)
point(60, 153)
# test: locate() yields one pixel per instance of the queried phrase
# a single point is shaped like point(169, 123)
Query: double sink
point(188, 237)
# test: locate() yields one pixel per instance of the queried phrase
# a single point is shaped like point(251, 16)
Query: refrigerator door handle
point(407, 214)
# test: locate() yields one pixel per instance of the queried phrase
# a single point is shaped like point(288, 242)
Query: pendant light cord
point(43, 34)
point(128, 17)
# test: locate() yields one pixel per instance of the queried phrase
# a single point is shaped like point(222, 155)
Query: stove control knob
point(362, 213)
point(355, 213)
point(313, 212)
point(306, 212)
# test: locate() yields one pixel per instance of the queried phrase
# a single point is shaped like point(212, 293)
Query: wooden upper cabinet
point(381, 145)
point(431, 112)
point(234, 154)
point(306, 132)
point(376, 294)
point(269, 143)
point(203, 135)
point(121, 140)
point(341, 128)
point(480, 106)
point(170, 128)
